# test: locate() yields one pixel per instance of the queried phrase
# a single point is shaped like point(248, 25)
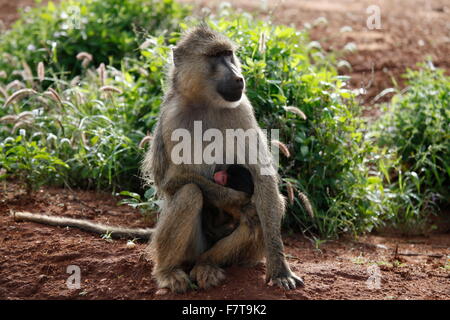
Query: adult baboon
point(205, 84)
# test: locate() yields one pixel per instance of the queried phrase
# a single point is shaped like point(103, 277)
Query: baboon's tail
point(113, 231)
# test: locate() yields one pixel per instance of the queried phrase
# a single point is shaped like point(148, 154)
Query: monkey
point(218, 223)
point(205, 83)
point(238, 178)
point(235, 177)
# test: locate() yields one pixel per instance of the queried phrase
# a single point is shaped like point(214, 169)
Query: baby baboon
point(206, 84)
point(218, 223)
point(235, 177)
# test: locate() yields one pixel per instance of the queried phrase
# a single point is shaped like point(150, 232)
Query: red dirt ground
point(34, 258)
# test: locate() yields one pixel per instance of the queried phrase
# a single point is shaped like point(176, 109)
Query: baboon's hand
point(216, 192)
point(284, 277)
point(249, 216)
point(237, 198)
point(235, 202)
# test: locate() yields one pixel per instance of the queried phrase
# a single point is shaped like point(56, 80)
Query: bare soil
point(34, 259)
point(10, 10)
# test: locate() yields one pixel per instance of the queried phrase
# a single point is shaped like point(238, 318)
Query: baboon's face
point(226, 74)
point(207, 69)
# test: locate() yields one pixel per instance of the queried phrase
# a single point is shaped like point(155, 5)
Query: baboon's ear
point(176, 54)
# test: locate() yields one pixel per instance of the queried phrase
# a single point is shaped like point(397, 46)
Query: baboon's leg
point(244, 246)
point(232, 248)
point(178, 238)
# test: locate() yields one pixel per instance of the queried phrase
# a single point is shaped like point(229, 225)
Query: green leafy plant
point(96, 121)
point(418, 126)
point(109, 30)
point(107, 236)
point(416, 129)
point(147, 204)
point(29, 163)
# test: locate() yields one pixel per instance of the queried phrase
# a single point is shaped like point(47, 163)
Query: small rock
point(162, 292)
point(42, 278)
point(131, 244)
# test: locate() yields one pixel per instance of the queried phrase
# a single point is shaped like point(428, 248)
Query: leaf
point(149, 193)
point(131, 194)
point(304, 150)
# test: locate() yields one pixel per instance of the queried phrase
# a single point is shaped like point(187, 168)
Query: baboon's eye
point(224, 53)
point(227, 53)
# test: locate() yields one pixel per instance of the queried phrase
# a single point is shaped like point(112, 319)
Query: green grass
point(415, 134)
point(110, 30)
point(31, 164)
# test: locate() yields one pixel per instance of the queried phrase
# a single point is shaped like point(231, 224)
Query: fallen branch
point(396, 254)
point(421, 254)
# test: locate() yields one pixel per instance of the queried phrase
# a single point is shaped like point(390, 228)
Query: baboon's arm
point(218, 195)
point(270, 208)
point(156, 163)
point(114, 231)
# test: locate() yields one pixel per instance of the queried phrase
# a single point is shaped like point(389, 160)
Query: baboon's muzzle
point(232, 87)
point(232, 84)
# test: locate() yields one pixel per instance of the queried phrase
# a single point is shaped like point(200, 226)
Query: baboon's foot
point(207, 275)
point(281, 275)
point(176, 280)
point(289, 283)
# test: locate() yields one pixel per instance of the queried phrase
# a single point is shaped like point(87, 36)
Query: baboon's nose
point(239, 81)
